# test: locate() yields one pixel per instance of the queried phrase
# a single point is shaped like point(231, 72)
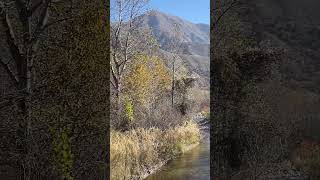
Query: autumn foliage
point(147, 79)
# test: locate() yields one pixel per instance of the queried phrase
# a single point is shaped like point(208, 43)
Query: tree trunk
point(172, 90)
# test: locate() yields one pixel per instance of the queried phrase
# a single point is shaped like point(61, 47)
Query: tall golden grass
point(307, 158)
point(134, 152)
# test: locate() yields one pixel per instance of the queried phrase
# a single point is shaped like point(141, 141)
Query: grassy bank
point(134, 153)
point(306, 158)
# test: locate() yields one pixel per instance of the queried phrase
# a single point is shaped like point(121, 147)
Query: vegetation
point(307, 158)
point(59, 84)
point(147, 80)
point(62, 153)
point(259, 117)
point(135, 152)
point(64, 102)
point(150, 102)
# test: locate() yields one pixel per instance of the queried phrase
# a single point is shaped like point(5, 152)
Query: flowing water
point(193, 165)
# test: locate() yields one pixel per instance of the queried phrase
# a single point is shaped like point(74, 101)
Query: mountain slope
point(295, 26)
point(194, 39)
point(162, 26)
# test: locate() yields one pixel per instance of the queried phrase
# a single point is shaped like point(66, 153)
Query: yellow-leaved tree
point(161, 75)
point(147, 79)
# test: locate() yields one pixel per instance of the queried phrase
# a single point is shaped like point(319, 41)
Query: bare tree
point(24, 29)
point(175, 46)
point(33, 16)
point(123, 26)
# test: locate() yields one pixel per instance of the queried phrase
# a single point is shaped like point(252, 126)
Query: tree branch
point(11, 99)
point(23, 14)
point(44, 15)
point(43, 23)
point(55, 22)
point(7, 24)
point(20, 4)
point(233, 4)
point(35, 7)
point(14, 50)
point(114, 77)
point(11, 74)
point(5, 103)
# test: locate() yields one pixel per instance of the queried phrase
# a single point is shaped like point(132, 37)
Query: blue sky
point(196, 11)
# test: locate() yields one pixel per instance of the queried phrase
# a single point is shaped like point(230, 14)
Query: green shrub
point(128, 106)
point(63, 156)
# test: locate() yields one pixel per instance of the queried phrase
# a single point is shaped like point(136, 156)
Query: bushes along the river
point(134, 152)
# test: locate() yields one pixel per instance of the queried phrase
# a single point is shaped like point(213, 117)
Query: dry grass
point(307, 158)
point(133, 152)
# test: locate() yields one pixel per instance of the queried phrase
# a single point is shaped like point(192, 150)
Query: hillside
point(274, 117)
point(295, 26)
point(194, 56)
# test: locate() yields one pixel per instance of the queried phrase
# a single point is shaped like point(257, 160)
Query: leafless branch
point(11, 74)
point(23, 13)
point(55, 22)
point(7, 24)
point(232, 5)
point(114, 77)
point(5, 103)
point(43, 23)
point(43, 17)
point(35, 7)
point(11, 40)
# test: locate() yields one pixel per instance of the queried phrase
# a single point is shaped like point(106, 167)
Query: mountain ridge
point(162, 27)
point(295, 26)
point(193, 57)
point(194, 40)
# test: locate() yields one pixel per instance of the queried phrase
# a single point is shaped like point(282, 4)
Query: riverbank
point(151, 170)
point(137, 153)
point(193, 164)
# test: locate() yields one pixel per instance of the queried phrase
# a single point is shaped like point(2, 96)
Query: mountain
point(292, 25)
point(162, 26)
point(295, 26)
point(194, 39)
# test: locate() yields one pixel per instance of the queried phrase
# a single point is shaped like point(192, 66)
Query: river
point(192, 165)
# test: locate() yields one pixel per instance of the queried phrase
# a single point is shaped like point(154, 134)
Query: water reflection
point(193, 165)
